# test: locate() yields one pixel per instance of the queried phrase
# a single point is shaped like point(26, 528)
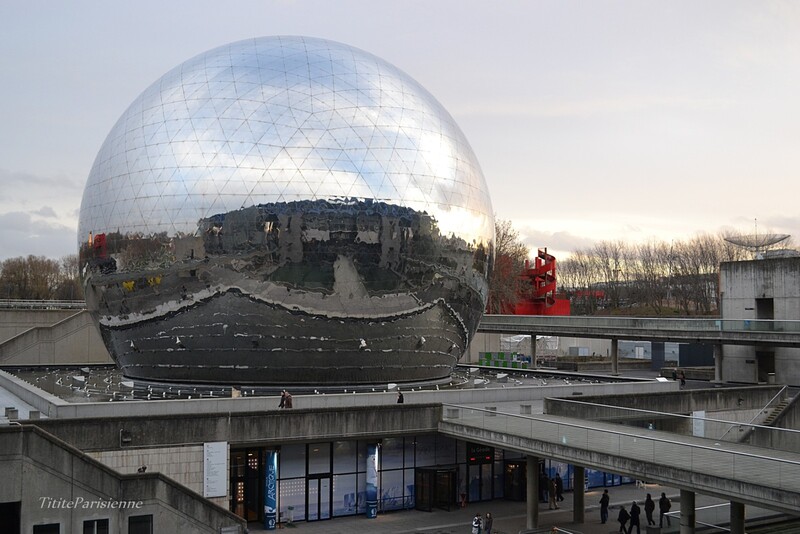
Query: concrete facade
point(57, 484)
point(761, 289)
point(184, 464)
point(53, 337)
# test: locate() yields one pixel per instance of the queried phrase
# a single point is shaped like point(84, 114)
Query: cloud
point(22, 235)
point(25, 181)
point(45, 211)
point(599, 106)
point(554, 241)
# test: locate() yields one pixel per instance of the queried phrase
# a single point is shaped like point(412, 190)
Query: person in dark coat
point(559, 488)
point(649, 508)
point(635, 513)
point(623, 519)
point(288, 402)
point(487, 523)
point(664, 505)
point(604, 507)
point(399, 397)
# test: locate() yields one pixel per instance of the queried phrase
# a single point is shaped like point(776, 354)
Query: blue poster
point(271, 491)
point(371, 491)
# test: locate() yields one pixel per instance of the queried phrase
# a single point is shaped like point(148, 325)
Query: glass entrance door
point(319, 498)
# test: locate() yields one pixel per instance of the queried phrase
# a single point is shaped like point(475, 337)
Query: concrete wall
point(741, 283)
point(13, 322)
point(182, 464)
point(728, 405)
point(56, 408)
point(71, 340)
point(36, 467)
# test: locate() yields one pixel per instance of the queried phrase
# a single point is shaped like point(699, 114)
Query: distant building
point(761, 289)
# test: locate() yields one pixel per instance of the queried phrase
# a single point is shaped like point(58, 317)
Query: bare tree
point(40, 278)
point(510, 256)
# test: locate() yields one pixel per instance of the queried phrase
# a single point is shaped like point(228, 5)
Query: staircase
point(776, 411)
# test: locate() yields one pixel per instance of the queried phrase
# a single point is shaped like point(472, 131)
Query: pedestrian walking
point(551, 489)
point(399, 397)
point(623, 519)
point(477, 523)
point(559, 488)
point(649, 507)
point(635, 513)
point(283, 399)
point(682, 376)
point(487, 523)
point(288, 401)
point(664, 505)
point(604, 507)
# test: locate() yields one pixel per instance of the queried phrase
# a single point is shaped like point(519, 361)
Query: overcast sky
point(592, 120)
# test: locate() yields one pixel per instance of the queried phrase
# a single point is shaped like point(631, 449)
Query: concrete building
point(761, 290)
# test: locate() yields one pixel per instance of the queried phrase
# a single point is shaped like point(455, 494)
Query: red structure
point(537, 288)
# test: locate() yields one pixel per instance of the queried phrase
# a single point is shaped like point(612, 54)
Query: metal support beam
point(532, 500)
point(737, 518)
point(578, 493)
point(533, 350)
point(614, 356)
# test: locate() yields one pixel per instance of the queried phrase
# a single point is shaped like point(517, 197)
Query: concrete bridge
point(714, 331)
point(743, 474)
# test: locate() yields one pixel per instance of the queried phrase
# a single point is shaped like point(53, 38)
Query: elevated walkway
point(712, 331)
point(737, 472)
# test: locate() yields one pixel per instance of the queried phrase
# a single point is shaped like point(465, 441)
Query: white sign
point(699, 424)
point(215, 469)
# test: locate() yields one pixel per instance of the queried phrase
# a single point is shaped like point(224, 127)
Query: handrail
point(754, 418)
point(617, 432)
point(732, 423)
point(30, 304)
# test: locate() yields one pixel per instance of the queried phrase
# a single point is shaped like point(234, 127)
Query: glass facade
point(323, 480)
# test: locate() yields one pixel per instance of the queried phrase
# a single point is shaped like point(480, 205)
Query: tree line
point(679, 277)
point(656, 278)
point(40, 278)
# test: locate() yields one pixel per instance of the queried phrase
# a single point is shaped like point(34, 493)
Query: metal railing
point(622, 410)
point(720, 459)
point(734, 425)
point(647, 323)
point(22, 304)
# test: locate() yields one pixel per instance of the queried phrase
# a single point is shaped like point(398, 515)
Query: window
point(95, 526)
point(140, 524)
point(50, 528)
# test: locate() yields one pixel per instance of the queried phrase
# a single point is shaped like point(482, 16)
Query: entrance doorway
point(247, 492)
point(435, 488)
point(766, 365)
point(516, 480)
point(318, 491)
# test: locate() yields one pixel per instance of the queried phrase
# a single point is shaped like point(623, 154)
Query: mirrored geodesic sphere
point(286, 210)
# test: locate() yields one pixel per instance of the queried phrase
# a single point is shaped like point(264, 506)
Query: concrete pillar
point(737, 517)
point(718, 364)
point(533, 351)
point(578, 493)
point(687, 512)
point(614, 356)
point(532, 500)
